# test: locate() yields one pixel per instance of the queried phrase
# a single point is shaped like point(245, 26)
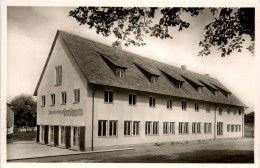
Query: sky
point(31, 31)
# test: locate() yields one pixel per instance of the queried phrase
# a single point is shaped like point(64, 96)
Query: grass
point(21, 136)
point(249, 130)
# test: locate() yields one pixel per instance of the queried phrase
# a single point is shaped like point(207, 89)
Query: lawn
point(21, 136)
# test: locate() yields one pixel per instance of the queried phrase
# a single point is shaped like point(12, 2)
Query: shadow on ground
point(197, 156)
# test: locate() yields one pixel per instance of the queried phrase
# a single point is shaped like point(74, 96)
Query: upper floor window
point(239, 111)
point(196, 107)
point(76, 95)
point(43, 101)
point(228, 111)
point(178, 85)
point(154, 79)
point(108, 96)
point(120, 72)
point(132, 99)
point(234, 111)
point(52, 99)
point(63, 97)
point(169, 104)
point(152, 102)
point(58, 75)
point(207, 108)
point(183, 105)
point(220, 110)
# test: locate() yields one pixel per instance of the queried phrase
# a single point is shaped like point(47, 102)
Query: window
point(169, 104)
point(51, 130)
point(154, 79)
point(120, 72)
point(76, 136)
point(220, 111)
point(152, 102)
point(219, 128)
point(52, 99)
point(172, 128)
point(216, 93)
point(232, 128)
point(199, 89)
point(58, 75)
point(239, 128)
point(228, 111)
point(183, 105)
point(102, 128)
point(132, 99)
point(165, 128)
point(234, 111)
point(208, 108)
point(178, 85)
point(113, 128)
point(108, 96)
point(155, 128)
point(196, 128)
point(43, 101)
point(228, 127)
point(236, 128)
point(148, 128)
point(239, 111)
point(76, 95)
point(136, 126)
point(63, 97)
point(62, 135)
point(183, 128)
point(207, 128)
point(127, 127)
point(228, 95)
point(196, 107)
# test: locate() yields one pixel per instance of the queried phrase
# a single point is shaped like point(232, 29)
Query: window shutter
point(56, 135)
point(68, 130)
point(82, 139)
point(38, 134)
point(46, 129)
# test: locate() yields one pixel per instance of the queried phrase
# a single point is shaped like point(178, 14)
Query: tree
point(25, 110)
point(129, 25)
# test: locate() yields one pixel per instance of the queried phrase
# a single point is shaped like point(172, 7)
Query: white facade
point(79, 114)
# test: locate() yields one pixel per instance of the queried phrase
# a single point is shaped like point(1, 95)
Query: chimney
point(117, 46)
point(184, 67)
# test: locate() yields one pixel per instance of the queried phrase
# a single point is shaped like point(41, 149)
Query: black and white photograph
point(160, 83)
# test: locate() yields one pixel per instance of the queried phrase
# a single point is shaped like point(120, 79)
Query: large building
point(91, 96)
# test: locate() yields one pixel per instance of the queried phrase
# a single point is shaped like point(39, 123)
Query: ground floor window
point(42, 132)
point(183, 128)
point(232, 128)
point(51, 131)
point(62, 135)
point(76, 136)
point(165, 128)
point(172, 127)
point(113, 128)
point(220, 128)
point(236, 128)
point(239, 128)
point(136, 127)
point(155, 128)
point(127, 127)
point(102, 128)
point(207, 128)
point(228, 128)
point(148, 128)
point(196, 128)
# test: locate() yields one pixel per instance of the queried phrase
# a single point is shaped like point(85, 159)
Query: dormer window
point(199, 89)
point(216, 93)
point(178, 85)
point(120, 72)
point(228, 95)
point(154, 79)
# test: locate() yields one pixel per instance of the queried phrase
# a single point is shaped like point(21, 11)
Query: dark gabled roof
point(87, 55)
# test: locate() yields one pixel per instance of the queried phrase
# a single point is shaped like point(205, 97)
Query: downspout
point(215, 121)
point(92, 135)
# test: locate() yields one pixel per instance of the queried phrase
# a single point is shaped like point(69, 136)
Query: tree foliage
point(25, 110)
point(129, 25)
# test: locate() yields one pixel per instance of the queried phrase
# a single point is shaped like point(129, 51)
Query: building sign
point(69, 112)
